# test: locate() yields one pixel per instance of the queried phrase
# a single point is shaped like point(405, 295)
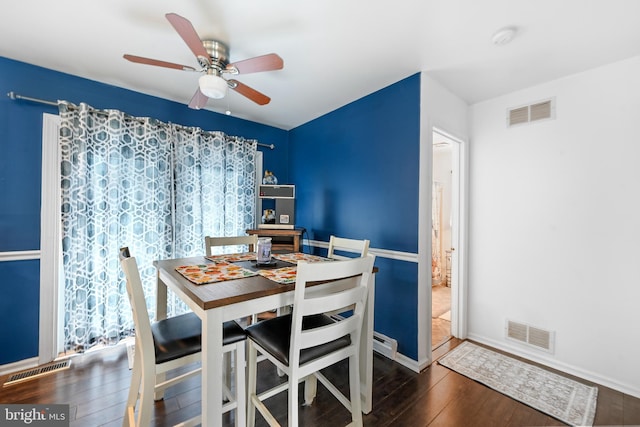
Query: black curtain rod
point(16, 96)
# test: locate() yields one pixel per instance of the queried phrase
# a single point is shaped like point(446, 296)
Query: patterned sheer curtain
point(215, 187)
point(138, 182)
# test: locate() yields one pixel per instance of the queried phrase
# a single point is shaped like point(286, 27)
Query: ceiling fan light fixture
point(213, 86)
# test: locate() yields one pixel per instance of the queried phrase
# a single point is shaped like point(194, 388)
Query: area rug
point(562, 398)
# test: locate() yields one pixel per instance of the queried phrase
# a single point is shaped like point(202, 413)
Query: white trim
point(20, 365)
point(410, 363)
point(19, 255)
point(49, 240)
point(458, 239)
point(382, 253)
point(458, 235)
point(425, 185)
point(461, 291)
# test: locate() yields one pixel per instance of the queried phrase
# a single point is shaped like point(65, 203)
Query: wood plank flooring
point(96, 388)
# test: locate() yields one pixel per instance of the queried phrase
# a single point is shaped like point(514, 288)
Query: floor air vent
point(530, 335)
point(37, 372)
point(541, 110)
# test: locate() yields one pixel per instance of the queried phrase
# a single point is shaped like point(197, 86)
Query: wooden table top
point(218, 294)
point(212, 295)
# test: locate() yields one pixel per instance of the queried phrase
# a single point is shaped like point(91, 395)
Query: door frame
point(51, 296)
point(458, 241)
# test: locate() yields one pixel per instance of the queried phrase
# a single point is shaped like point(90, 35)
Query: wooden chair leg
point(147, 390)
point(134, 390)
point(310, 389)
point(159, 395)
point(226, 368)
point(354, 390)
point(252, 371)
point(293, 401)
point(241, 385)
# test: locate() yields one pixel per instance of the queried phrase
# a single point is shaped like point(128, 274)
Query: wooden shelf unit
point(282, 240)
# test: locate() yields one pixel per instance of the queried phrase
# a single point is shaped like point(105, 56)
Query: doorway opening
point(442, 235)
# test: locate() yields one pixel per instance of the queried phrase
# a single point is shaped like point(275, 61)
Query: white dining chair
point(169, 344)
point(211, 242)
point(249, 241)
point(344, 245)
point(307, 340)
point(360, 247)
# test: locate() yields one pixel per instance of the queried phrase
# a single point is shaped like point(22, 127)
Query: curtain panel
point(157, 188)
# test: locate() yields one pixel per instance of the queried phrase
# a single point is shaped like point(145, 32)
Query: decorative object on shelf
point(283, 197)
point(268, 216)
point(269, 178)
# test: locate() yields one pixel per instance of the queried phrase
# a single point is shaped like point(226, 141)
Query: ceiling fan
point(213, 57)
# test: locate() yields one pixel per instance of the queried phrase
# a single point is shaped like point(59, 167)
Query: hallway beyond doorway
point(440, 315)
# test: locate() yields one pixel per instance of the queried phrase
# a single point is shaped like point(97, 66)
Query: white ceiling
point(335, 51)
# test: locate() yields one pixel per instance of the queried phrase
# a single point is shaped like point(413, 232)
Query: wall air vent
point(530, 335)
point(541, 110)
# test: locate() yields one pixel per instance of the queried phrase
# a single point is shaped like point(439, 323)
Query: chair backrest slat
point(337, 293)
point(210, 242)
point(360, 247)
point(338, 300)
point(311, 337)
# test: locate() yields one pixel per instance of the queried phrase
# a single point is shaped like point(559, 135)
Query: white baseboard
point(629, 389)
point(20, 365)
point(407, 362)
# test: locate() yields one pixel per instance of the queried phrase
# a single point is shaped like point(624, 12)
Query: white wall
point(441, 109)
point(555, 224)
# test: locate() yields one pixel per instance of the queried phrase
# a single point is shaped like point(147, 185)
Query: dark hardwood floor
point(96, 388)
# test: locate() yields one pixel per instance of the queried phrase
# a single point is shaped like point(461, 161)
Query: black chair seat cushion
point(274, 335)
point(181, 336)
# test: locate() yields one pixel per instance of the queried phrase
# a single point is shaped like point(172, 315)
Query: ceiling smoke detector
point(503, 36)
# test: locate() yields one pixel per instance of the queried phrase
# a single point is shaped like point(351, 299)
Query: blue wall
point(356, 175)
point(355, 170)
point(20, 176)
point(19, 301)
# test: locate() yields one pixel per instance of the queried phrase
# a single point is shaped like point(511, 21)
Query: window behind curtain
point(156, 188)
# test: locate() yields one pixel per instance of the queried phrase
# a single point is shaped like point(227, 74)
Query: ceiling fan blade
point(185, 29)
point(156, 62)
point(267, 62)
point(198, 100)
point(252, 94)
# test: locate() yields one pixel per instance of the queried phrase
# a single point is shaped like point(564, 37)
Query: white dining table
point(216, 303)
